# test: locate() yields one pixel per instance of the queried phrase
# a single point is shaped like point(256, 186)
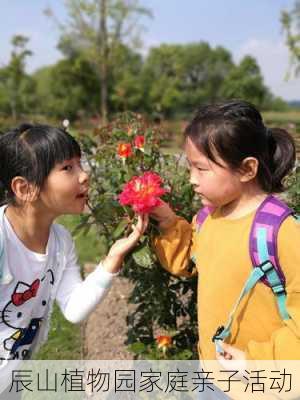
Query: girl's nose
point(83, 177)
point(193, 180)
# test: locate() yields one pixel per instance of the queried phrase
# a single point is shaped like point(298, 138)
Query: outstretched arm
point(77, 297)
point(175, 245)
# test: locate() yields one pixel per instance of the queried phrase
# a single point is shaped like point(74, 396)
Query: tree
point(125, 83)
point(245, 81)
point(95, 28)
point(204, 71)
point(290, 21)
point(178, 78)
point(67, 88)
point(161, 77)
point(16, 85)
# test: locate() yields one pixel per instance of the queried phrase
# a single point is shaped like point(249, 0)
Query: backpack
point(264, 256)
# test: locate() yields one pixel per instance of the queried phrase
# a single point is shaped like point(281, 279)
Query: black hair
point(234, 130)
point(31, 151)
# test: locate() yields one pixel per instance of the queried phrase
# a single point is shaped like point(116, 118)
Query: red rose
point(124, 150)
point(163, 342)
point(142, 192)
point(139, 141)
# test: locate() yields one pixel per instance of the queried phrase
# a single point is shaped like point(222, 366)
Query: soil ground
point(105, 330)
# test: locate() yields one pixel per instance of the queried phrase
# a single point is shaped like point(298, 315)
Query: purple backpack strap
point(202, 215)
point(270, 215)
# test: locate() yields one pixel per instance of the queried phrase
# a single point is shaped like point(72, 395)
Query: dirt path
point(105, 330)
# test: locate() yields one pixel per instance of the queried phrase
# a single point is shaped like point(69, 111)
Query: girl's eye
point(68, 167)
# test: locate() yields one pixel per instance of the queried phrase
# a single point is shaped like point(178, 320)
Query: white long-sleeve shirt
point(77, 297)
point(30, 282)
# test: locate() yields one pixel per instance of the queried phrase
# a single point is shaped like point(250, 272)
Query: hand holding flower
point(121, 247)
point(163, 214)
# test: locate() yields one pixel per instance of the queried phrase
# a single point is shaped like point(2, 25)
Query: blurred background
point(86, 60)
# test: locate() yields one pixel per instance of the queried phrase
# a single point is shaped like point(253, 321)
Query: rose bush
point(127, 155)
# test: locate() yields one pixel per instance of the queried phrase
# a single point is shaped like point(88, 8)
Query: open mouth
point(82, 196)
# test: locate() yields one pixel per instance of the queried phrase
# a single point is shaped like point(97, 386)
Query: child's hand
point(163, 214)
point(121, 247)
point(232, 358)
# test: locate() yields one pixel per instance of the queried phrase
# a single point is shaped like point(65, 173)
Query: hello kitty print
point(23, 315)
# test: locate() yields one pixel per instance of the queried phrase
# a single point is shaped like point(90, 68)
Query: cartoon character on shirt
point(15, 309)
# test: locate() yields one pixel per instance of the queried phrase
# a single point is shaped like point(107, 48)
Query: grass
point(289, 120)
point(87, 246)
point(64, 340)
point(285, 116)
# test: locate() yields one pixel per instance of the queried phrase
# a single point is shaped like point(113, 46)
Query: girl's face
point(215, 185)
point(66, 188)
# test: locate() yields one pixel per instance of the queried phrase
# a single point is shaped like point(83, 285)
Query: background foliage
point(171, 81)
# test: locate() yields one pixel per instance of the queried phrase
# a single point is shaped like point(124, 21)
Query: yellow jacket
point(221, 254)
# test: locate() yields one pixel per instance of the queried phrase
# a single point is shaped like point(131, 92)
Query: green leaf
point(143, 256)
point(120, 229)
point(86, 229)
point(77, 230)
point(137, 348)
point(184, 355)
point(103, 245)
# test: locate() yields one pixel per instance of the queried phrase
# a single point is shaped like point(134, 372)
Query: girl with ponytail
point(237, 165)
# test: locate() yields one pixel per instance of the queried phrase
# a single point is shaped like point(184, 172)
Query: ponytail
point(282, 157)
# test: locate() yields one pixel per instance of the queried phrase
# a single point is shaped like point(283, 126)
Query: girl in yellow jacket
point(235, 163)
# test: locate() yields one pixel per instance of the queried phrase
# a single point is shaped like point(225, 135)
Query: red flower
point(124, 150)
point(163, 342)
point(139, 141)
point(142, 192)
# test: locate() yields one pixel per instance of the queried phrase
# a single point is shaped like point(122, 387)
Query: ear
point(248, 169)
point(23, 190)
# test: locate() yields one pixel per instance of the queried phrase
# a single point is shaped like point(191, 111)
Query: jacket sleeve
point(76, 297)
point(284, 343)
point(175, 248)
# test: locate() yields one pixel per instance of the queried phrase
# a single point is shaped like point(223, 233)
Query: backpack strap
point(202, 215)
point(263, 252)
point(264, 232)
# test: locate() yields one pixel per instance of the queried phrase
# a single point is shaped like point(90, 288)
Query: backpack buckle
point(266, 266)
point(218, 333)
point(278, 289)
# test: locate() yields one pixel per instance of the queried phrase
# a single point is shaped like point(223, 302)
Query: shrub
point(164, 304)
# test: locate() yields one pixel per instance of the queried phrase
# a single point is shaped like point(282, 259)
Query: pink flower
point(139, 141)
point(142, 192)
